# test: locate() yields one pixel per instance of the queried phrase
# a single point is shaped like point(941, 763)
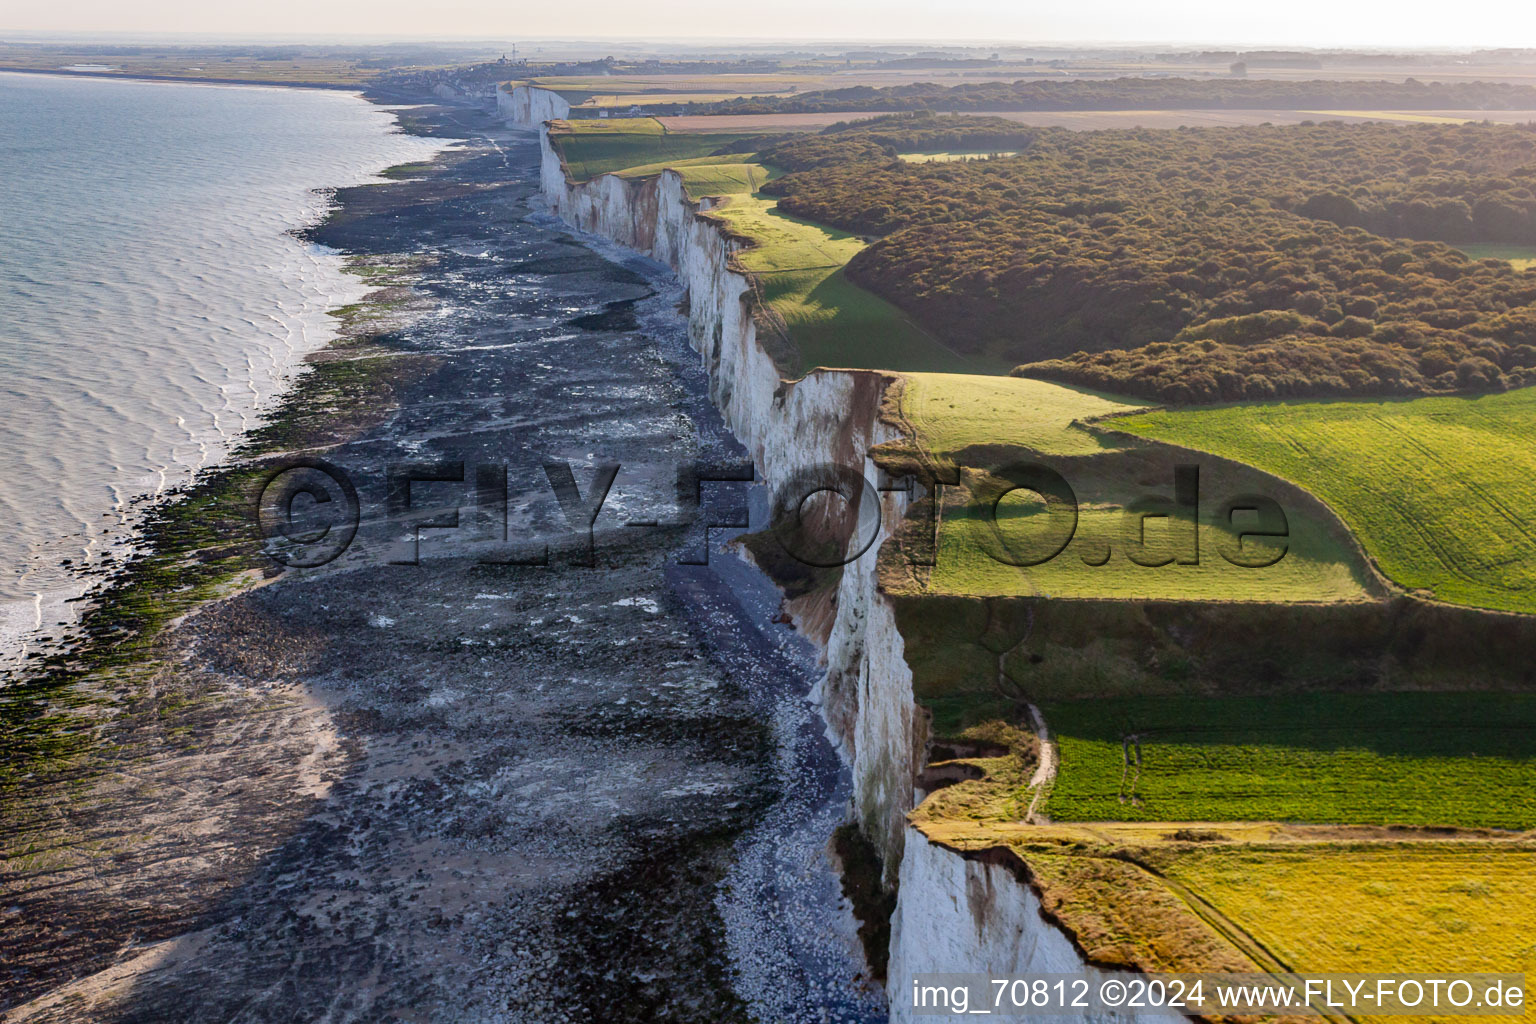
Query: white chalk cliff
point(954, 913)
point(529, 107)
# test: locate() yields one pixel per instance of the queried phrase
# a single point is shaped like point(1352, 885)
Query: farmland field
point(1441, 491)
point(1420, 907)
point(758, 122)
point(1110, 548)
point(719, 179)
point(1398, 909)
point(1090, 120)
point(1413, 116)
point(1465, 759)
point(591, 148)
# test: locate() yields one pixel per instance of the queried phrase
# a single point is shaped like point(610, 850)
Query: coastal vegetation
point(1439, 490)
point(1175, 692)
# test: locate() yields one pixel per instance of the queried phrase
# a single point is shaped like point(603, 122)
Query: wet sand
point(456, 790)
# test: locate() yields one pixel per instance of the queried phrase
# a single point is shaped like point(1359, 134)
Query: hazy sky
point(1288, 22)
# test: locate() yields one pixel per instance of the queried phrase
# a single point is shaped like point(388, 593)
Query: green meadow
point(1461, 759)
point(1441, 491)
point(797, 263)
point(593, 148)
point(1113, 551)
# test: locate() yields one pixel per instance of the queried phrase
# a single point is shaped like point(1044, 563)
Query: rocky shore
point(460, 789)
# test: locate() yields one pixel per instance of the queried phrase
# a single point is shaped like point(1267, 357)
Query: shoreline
point(335, 665)
point(319, 284)
point(360, 87)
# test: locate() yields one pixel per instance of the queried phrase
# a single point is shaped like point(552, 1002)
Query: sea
point(155, 298)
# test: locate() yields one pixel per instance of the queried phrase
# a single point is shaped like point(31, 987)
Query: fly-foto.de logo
point(308, 513)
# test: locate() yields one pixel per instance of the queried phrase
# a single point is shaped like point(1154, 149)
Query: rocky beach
point(586, 788)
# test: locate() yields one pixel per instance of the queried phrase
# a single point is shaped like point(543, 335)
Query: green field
point(1391, 115)
point(782, 242)
point(832, 321)
point(1465, 759)
point(1034, 421)
point(951, 411)
point(1522, 257)
point(704, 178)
point(591, 148)
point(1441, 491)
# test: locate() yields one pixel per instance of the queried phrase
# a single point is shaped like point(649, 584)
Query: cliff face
point(828, 417)
point(529, 106)
point(971, 914)
point(790, 426)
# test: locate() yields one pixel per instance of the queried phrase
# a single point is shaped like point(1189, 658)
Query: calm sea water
point(152, 297)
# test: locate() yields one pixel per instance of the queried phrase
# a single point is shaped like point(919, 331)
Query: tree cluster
point(1140, 94)
point(1197, 264)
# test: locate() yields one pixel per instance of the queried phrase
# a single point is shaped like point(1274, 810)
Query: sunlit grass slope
point(952, 411)
point(1441, 491)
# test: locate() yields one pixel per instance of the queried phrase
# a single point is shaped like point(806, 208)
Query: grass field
point(1466, 759)
point(1522, 257)
point(591, 148)
point(1441, 491)
point(832, 321)
point(1418, 117)
point(721, 179)
point(783, 242)
point(1421, 907)
point(1399, 909)
point(951, 411)
point(1035, 420)
point(708, 175)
